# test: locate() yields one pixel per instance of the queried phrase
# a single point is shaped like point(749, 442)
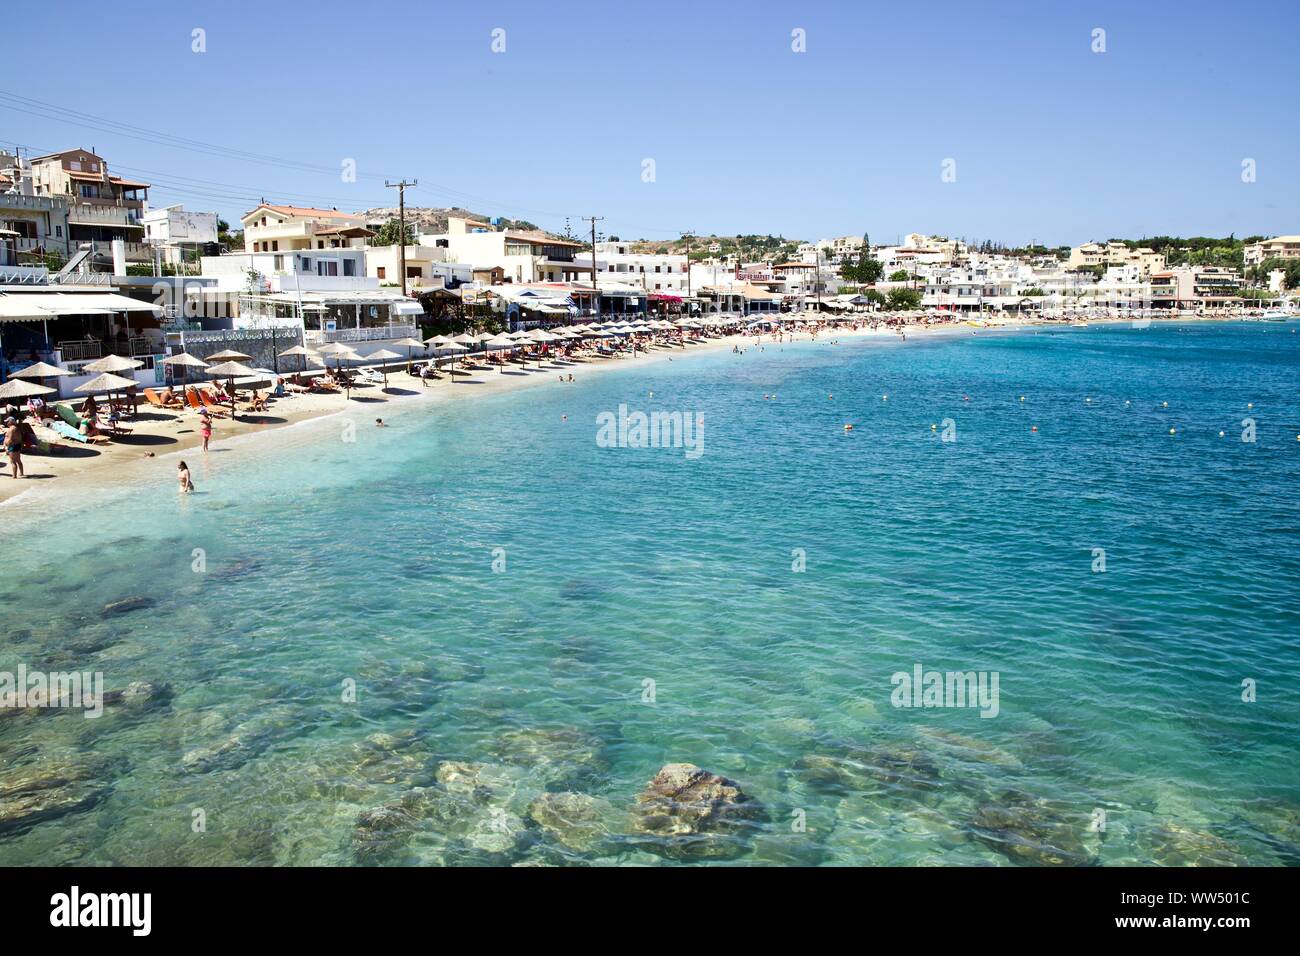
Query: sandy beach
point(157, 435)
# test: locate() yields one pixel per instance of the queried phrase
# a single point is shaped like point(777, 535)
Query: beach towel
point(67, 431)
point(69, 416)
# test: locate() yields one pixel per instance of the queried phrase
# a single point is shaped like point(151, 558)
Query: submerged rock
point(1033, 831)
point(554, 754)
point(970, 748)
point(137, 602)
point(1175, 845)
point(247, 741)
point(481, 780)
point(48, 789)
point(880, 767)
point(695, 813)
point(580, 822)
point(138, 695)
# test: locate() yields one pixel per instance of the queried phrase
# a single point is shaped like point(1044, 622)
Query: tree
point(901, 275)
point(390, 234)
point(901, 298)
point(867, 270)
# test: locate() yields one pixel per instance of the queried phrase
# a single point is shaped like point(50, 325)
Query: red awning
point(664, 297)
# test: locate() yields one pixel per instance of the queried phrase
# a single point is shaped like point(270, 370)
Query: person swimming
point(183, 476)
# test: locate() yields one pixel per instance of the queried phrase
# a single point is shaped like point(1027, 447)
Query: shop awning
point(34, 306)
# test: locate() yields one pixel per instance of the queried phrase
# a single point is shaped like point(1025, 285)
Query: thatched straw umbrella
point(186, 361)
point(229, 370)
point(107, 383)
point(229, 355)
point(299, 350)
point(17, 388)
point(383, 356)
point(112, 363)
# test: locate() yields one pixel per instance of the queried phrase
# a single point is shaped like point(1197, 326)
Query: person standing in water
point(183, 476)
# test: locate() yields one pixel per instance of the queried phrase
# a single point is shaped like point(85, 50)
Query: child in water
point(183, 476)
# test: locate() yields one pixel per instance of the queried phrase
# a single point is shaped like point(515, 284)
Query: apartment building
point(653, 272)
point(1279, 247)
point(101, 207)
point(1115, 254)
point(1196, 287)
point(523, 255)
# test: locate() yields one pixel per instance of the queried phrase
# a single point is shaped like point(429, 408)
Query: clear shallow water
point(372, 561)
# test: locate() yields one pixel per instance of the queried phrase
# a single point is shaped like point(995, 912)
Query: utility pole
point(817, 257)
point(595, 290)
point(688, 235)
point(401, 212)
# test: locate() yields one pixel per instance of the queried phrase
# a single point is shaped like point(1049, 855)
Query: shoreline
point(160, 436)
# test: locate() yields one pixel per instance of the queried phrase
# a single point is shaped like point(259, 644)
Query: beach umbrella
point(299, 350)
point(409, 343)
point(229, 355)
point(229, 370)
point(17, 388)
point(186, 361)
point(112, 363)
point(500, 343)
point(452, 347)
point(384, 355)
point(107, 383)
point(340, 352)
point(40, 370)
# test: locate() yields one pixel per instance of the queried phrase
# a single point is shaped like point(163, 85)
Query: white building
point(177, 233)
point(522, 255)
point(653, 272)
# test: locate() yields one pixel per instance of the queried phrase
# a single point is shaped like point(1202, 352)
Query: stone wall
point(262, 345)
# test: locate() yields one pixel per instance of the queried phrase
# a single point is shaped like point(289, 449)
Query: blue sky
point(1051, 141)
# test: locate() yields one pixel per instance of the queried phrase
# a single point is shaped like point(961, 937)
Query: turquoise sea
point(522, 613)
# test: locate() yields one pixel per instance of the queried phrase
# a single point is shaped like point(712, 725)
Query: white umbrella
point(229, 355)
point(383, 356)
point(300, 350)
point(230, 370)
point(41, 370)
point(107, 383)
point(112, 363)
point(17, 388)
point(187, 361)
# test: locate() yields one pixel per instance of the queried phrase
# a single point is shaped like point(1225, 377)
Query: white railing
point(369, 334)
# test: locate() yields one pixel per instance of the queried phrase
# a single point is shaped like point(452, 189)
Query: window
point(74, 166)
point(58, 231)
point(275, 245)
point(279, 263)
point(349, 267)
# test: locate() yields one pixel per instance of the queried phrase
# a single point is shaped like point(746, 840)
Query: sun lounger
point(153, 398)
point(209, 403)
point(369, 375)
point(67, 431)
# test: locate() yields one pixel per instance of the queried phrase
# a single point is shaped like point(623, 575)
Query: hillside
point(430, 219)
